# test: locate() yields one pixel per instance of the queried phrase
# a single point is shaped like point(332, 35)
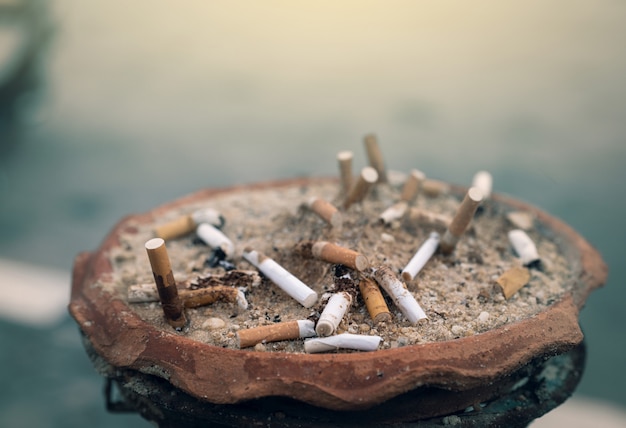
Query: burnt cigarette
point(145, 293)
point(337, 254)
point(401, 296)
point(421, 257)
point(206, 296)
point(461, 220)
point(434, 188)
point(333, 313)
point(484, 181)
point(281, 277)
point(345, 170)
point(215, 238)
point(276, 332)
point(394, 212)
point(374, 301)
point(523, 246)
point(166, 285)
point(412, 185)
point(188, 223)
point(359, 190)
point(512, 280)
point(425, 217)
point(375, 157)
point(325, 210)
point(357, 342)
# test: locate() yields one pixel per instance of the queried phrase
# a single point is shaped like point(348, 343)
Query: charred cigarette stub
point(483, 181)
point(206, 296)
point(281, 277)
point(327, 211)
point(365, 181)
point(345, 170)
point(144, 293)
point(215, 238)
point(423, 254)
point(333, 313)
point(276, 332)
point(356, 342)
point(412, 185)
point(188, 223)
point(337, 254)
point(434, 188)
point(394, 212)
point(166, 285)
point(461, 220)
point(374, 301)
point(400, 295)
point(375, 157)
point(523, 246)
point(512, 280)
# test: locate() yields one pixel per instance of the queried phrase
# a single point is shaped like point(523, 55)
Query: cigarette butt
point(421, 257)
point(166, 285)
point(483, 181)
point(333, 253)
point(206, 296)
point(345, 170)
point(394, 212)
point(375, 157)
point(461, 220)
point(512, 280)
point(357, 342)
point(364, 182)
point(401, 296)
point(434, 188)
point(412, 185)
point(327, 211)
point(188, 223)
point(374, 301)
point(276, 332)
point(523, 246)
point(424, 217)
point(215, 238)
point(333, 313)
point(281, 277)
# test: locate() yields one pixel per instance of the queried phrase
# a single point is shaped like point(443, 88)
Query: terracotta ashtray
point(411, 300)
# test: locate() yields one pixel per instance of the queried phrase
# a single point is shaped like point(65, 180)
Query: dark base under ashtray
point(526, 394)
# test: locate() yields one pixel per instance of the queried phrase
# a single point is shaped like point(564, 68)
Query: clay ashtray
point(479, 358)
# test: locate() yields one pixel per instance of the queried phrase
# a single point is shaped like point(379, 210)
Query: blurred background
point(109, 108)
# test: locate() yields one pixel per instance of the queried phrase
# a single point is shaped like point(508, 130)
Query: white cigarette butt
point(208, 215)
point(333, 313)
point(523, 246)
point(342, 341)
point(484, 181)
point(215, 238)
point(394, 212)
point(423, 254)
point(282, 278)
point(400, 295)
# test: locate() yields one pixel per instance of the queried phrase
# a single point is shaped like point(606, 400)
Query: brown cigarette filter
point(512, 280)
point(268, 333)
point(166, 285)
point(345, 170)
point(461, 220)
point(374, 301)
point(434, 188)
point(375, 156)
point(357, 193)
point(412, 185)
point(327, 211)
point(176, 228)
point(337, 254)
point(206, 296)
